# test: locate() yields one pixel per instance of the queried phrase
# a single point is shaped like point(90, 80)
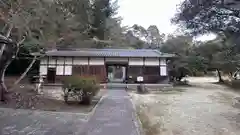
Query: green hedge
point(82, 89)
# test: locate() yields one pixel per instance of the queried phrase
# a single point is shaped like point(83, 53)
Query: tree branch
point(24, 73)
point(9, 31)
point(21, 41)
point(102, 41)
point(13, 56)
point(5, 38)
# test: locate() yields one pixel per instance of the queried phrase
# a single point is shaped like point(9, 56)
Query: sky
point(151, 12)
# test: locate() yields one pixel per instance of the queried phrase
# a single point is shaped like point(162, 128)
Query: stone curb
point(90, 114)
point(42, 111)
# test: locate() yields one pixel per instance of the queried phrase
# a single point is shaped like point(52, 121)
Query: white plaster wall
point(68, 61)
point(116, 59)
point(52, 66)
point(163, 61)
point(136, 61)
point(43, 61)
point(96, 61)
point(52, 61)
point(151, 62)
point(80, 61)
point(60, 60)
point(43, 70)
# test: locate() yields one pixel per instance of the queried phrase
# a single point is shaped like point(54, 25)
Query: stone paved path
point(114, 116)
point(26, 122)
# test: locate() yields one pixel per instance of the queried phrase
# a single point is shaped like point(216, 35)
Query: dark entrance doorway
point(51, 75)
point(116, 73)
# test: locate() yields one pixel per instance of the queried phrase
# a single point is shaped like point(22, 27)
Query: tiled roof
point(109, 53)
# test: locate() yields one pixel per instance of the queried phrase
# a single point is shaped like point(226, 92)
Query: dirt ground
point(203, 109)
point(23, 97)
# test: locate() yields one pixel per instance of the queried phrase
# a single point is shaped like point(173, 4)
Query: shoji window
point(163, 67)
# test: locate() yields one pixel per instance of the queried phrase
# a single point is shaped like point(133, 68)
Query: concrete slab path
point(114, 115)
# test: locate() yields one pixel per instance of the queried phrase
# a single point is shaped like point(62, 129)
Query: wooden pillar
point(105, 71)
point(159, 66)
point(88, 67)
point(64, 64)
point(127, 72)
point(143, 69)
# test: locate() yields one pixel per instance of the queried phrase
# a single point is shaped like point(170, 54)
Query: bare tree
point(30, 24)
point(43, 24)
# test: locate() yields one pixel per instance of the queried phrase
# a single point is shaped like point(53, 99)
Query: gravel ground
point(204, 109)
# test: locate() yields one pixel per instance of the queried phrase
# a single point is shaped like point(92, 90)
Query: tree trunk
point(3, 88)
point(219, 76)
point(86, 99)
point(5, 37)
point(2, 91)
point(4, 64)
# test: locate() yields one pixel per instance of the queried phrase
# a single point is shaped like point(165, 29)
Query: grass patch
point(148, 127)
